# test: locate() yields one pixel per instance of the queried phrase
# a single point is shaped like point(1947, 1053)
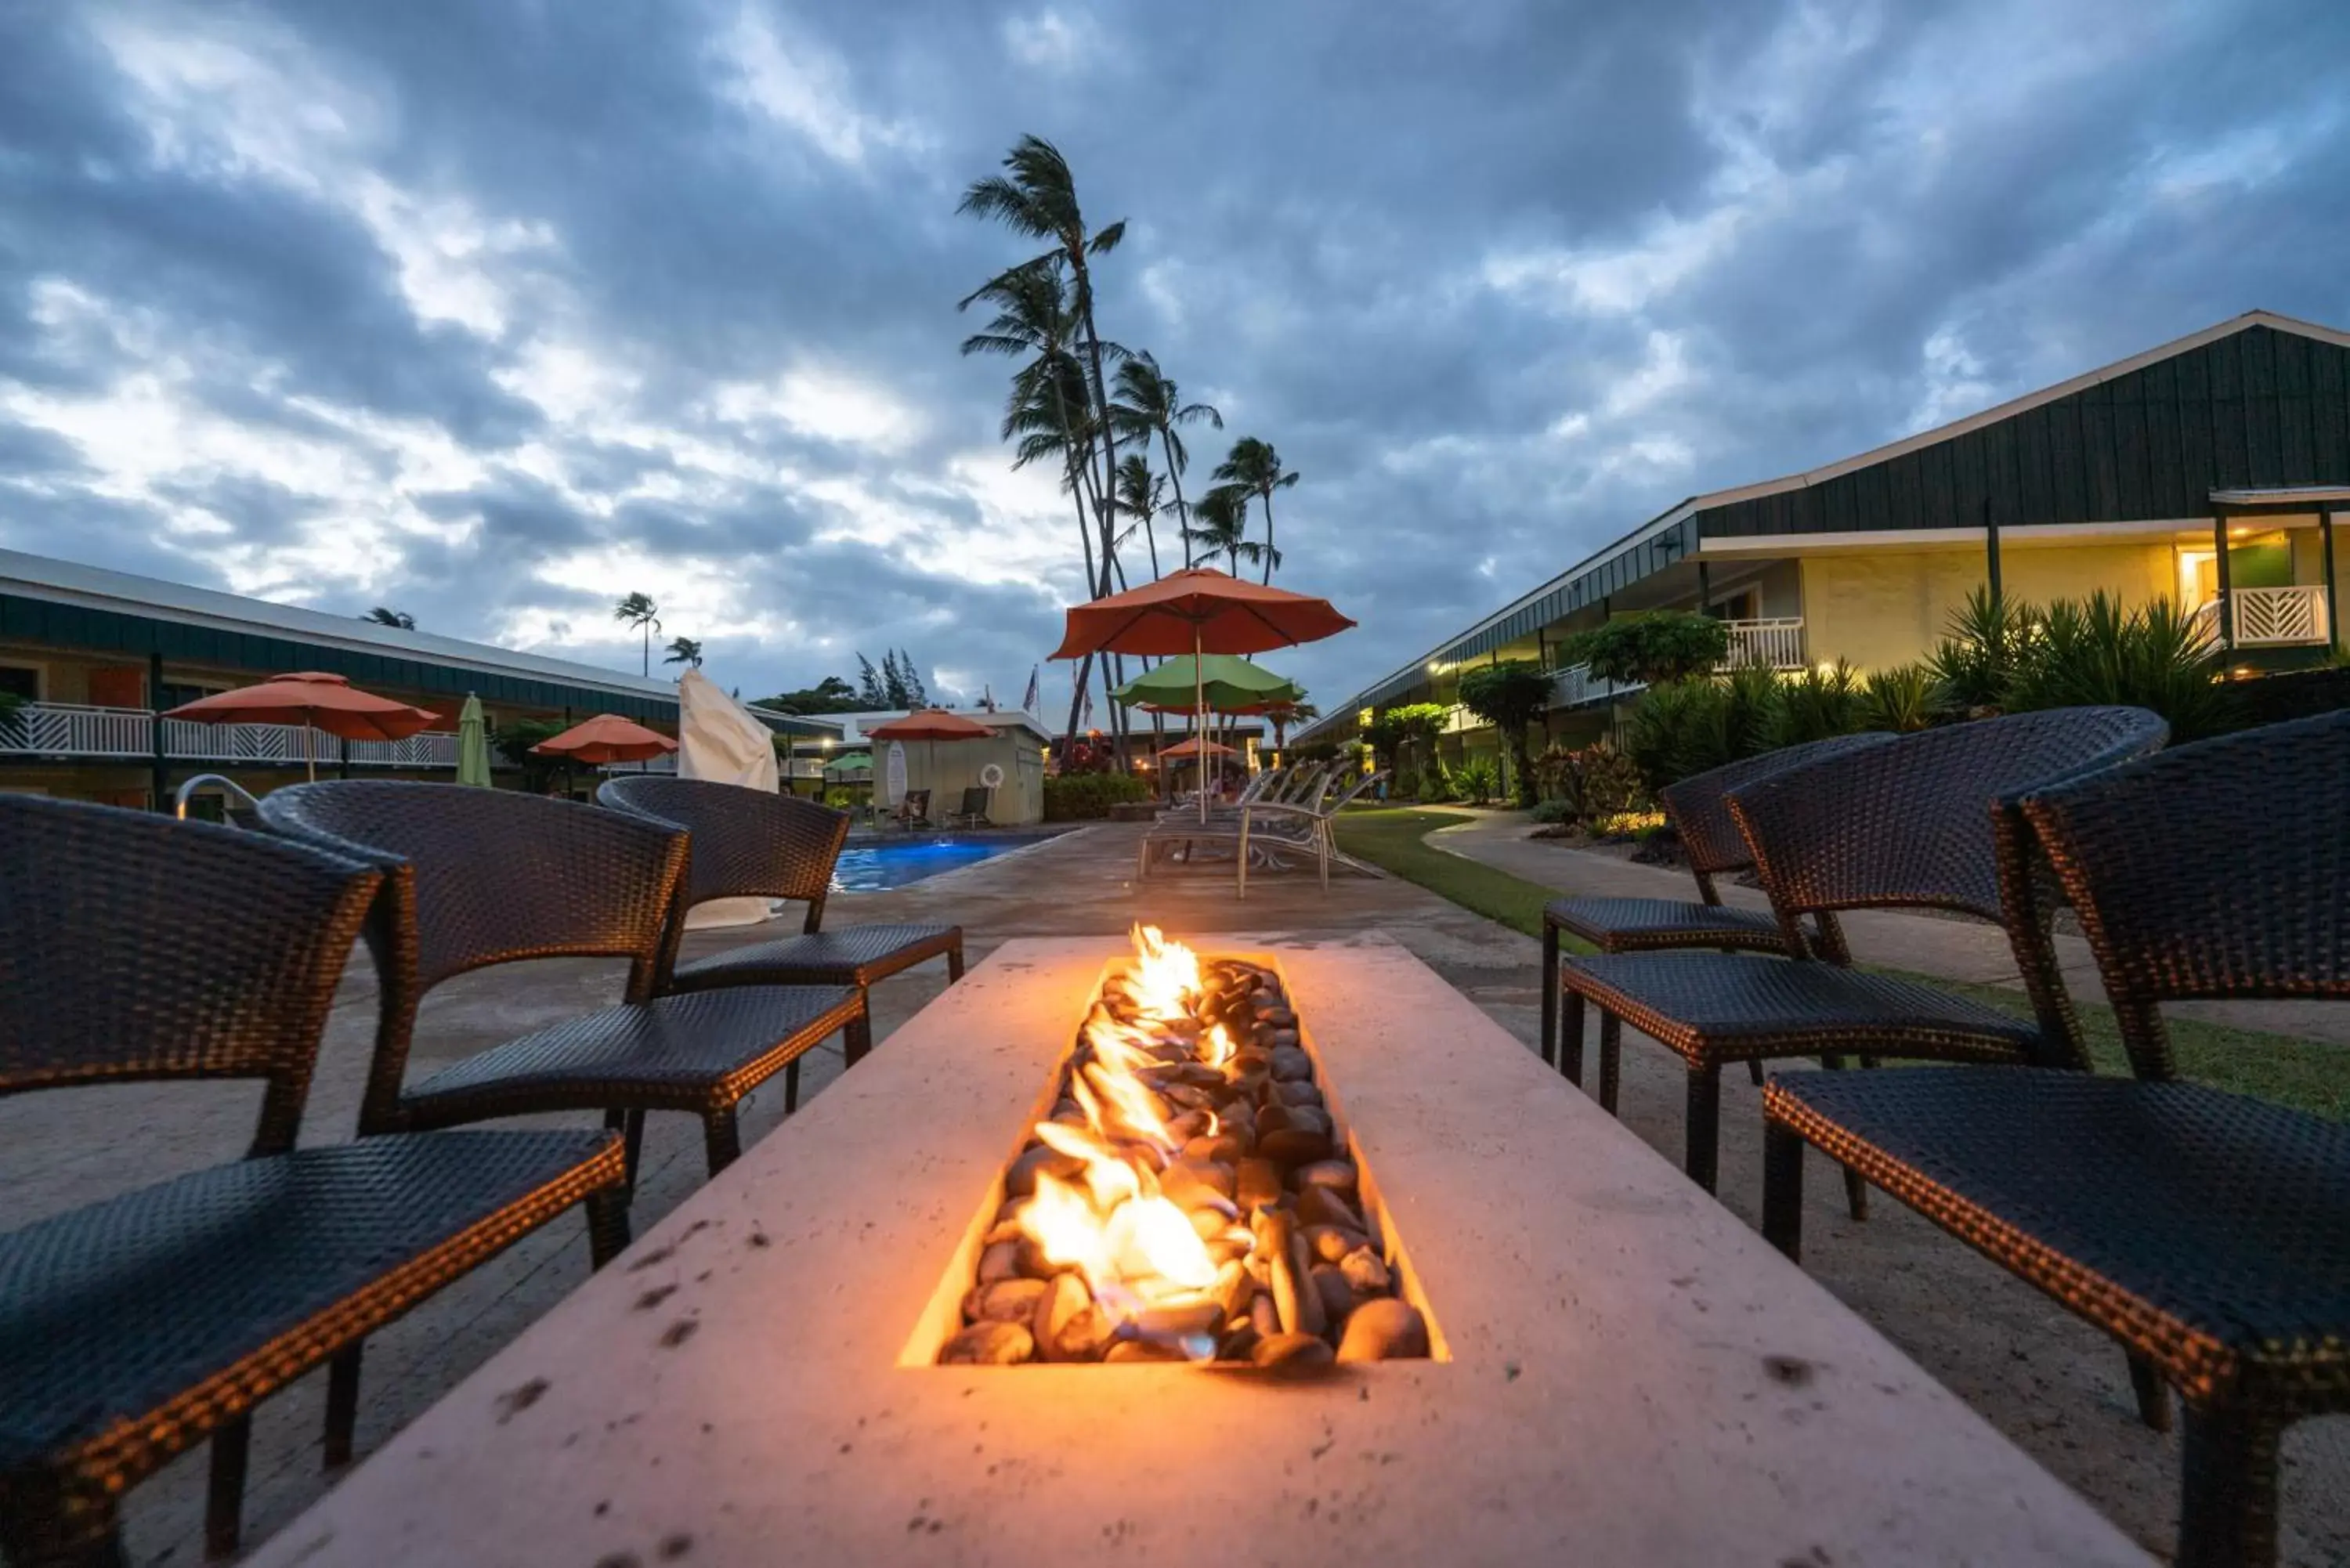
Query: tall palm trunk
point(1175, 480)
point(1268, 535)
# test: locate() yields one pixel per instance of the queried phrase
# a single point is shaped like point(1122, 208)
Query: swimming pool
point(893, 862)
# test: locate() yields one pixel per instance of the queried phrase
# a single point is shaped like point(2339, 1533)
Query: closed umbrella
point(313, 701)
point(1198, 610)
point(473, 743)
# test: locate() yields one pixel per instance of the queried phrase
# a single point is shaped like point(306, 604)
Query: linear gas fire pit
point(1624, 1372)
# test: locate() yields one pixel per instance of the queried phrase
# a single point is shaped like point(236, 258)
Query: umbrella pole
point(309, 757)
point(1199, 697)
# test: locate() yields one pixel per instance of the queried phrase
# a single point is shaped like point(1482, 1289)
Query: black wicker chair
point(749, 844)
point(1923, 822)
point(134, 947)
point(2207, 1232)
point(1698, 809)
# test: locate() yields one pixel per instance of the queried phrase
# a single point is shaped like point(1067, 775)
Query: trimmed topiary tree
point(1509, 696)
point(1652, 649)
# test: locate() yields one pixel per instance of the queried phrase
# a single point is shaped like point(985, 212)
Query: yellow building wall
point(1878, 611)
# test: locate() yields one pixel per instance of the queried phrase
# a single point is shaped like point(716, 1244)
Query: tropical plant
point(829, 695)
point(1139, 493)
point(1587, 783)
point(1509, 695)
point(1903, 699)
point(685, 650)
point(1280, 715)
point(514, 741)
point(1218, 526)
point(640, 611)
point(1477, 780)
point(384, 615)
point(1150, 404)
point(1684, 727)
point(1820, 704)
point(1650, 648)
point(2093, 653)
point(1975, 662)
point(1076, 796)
point(1253, 468)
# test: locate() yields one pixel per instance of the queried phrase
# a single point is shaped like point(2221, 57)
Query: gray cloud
point(493, 312)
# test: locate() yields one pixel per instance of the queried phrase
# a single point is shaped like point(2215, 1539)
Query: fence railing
point(1775, 644)
point(1575, 685)
point(67, 730)
point(2269, 618)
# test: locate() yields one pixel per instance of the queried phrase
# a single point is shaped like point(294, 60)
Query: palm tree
point(1284, 714)
point(638, 610)
point(1036, 196)
point(1139, 493)
point(1150, 403)
point(685, 650)
point(1256, 469)
point(1219, 526)
point(384, 615)
point(1050, 408)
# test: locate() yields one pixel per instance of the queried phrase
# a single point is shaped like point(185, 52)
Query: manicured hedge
point(1081, 797)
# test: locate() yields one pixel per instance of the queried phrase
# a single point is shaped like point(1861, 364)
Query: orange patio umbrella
point(1198, 610)
point(1196, 746)
point(313, 700)
point(929, 724)
point(606, 738)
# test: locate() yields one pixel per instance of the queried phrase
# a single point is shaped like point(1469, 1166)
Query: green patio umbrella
point(855, 765)
point(1223, 683)
point(473, 743)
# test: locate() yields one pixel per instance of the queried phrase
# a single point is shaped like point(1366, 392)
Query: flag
point(1086, 717)
point(1028, 703)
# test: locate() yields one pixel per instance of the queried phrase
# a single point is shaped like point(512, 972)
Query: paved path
point(1957, 949)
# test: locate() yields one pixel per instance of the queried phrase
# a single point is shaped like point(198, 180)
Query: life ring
point(991, 776)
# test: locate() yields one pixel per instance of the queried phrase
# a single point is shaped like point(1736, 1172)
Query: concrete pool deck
point(2052, 1385)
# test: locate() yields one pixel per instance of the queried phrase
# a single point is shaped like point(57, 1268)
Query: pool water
point(894, 863)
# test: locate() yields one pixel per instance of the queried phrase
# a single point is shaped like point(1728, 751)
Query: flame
point(1134, 1247)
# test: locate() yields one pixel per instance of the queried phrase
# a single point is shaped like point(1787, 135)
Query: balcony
point(2272, 617)
point(63, 731)
point(1774, 644)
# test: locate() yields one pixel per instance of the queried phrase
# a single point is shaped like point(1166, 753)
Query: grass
point(2313, 1075)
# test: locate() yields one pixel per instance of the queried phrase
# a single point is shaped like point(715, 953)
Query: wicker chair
point(1923, 822)
point(478, 877)
point(747, 844)
point(2209, 1232)
point(1698, 809)
point(134, 947)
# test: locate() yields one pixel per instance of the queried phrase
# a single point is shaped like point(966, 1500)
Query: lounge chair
point(1698, 809)
point(139, 1327)
point(1179, 828)
point(978, 800)
point(913, 811)
point(1925, 822)
point(1271, 829)
point(2208, 1232)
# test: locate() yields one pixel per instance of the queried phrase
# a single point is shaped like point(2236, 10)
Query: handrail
point(239, 801)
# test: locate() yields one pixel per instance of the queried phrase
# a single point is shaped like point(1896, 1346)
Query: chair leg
point(1570, 1037)
point(954, 963)
point(2228, 1504)
point(2153, 1394)
point(343, 1403)
point(791, 1085)
point(1702, 1151)
point(1241, 863)
point(722, 1139)
point(608, 1226)
point(1550, 1042)
point(630, 1125)
point(224, 1499)
point(1611, 1059)
point(856, 1037)
point(1782, 1189)
point(1855, 1190)
point(1754, 1070)
point(38, 1526)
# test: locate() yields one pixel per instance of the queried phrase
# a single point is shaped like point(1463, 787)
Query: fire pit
point(1189, 1196)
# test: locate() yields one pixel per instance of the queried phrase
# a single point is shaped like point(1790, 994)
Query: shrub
point(1586, 782)
point(2092, 652)
point(1477, 780)
point(1903, 699)
point(1976, 661)
point(1078, 797)
point(1819, 704)
point(1550, 813)
point(1404, 785)
point(1686, 727)
point(1653, 648)
point(1509, 696)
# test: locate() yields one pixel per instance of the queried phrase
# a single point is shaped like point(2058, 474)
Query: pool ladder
point(239, 806)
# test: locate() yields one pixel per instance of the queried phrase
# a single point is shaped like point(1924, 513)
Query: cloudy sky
point(494, 310)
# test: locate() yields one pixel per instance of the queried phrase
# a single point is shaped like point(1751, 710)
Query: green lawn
point(2314, 1075)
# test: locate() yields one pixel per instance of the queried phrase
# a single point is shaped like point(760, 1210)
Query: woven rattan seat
point(1697, 807)
point(698, 1053)
point(2207, 1232)
point(749, 844)
point(133, 947)
point(1926, 821)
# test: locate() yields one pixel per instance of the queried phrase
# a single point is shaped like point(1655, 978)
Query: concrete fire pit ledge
point(1635, 1377)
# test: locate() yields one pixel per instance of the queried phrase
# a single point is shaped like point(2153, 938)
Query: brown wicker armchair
point(749, 844)
point(1918, 824)
point(134, 947)
point(1698, 809)
point(2209, 1232)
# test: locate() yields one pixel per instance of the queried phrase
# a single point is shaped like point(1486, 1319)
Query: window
point(21, 681)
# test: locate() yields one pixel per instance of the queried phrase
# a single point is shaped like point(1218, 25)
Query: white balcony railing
point(2272, 617)
point(1775, 644)
point(65, 729)
point(1575, 685)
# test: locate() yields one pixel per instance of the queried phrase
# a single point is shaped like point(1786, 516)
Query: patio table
point(1632, 1375)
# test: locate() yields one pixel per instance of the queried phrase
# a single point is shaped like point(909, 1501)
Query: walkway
point(1954, 949)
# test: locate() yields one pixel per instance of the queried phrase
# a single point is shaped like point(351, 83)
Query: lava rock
point(989, 1345)
point(1067, 1326)
point(1330, 1243)
point(1323, 1206)
point(1291, 1355)
point(1367, 1271)
point(1384, 1330)
point(1003, 1301)
point(1145, 1350)
point(1223, 1148)
point(1280, 1015)
point(1256, 1182)
point(1297, 1092)
point(1176, 1322)
point(1337, 1294)
point(1020, 1177)
point(1291, 1064)
point(1310, 1317)
point(1295, 1146)
point(1337, 1175)
point(1000, 1260)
